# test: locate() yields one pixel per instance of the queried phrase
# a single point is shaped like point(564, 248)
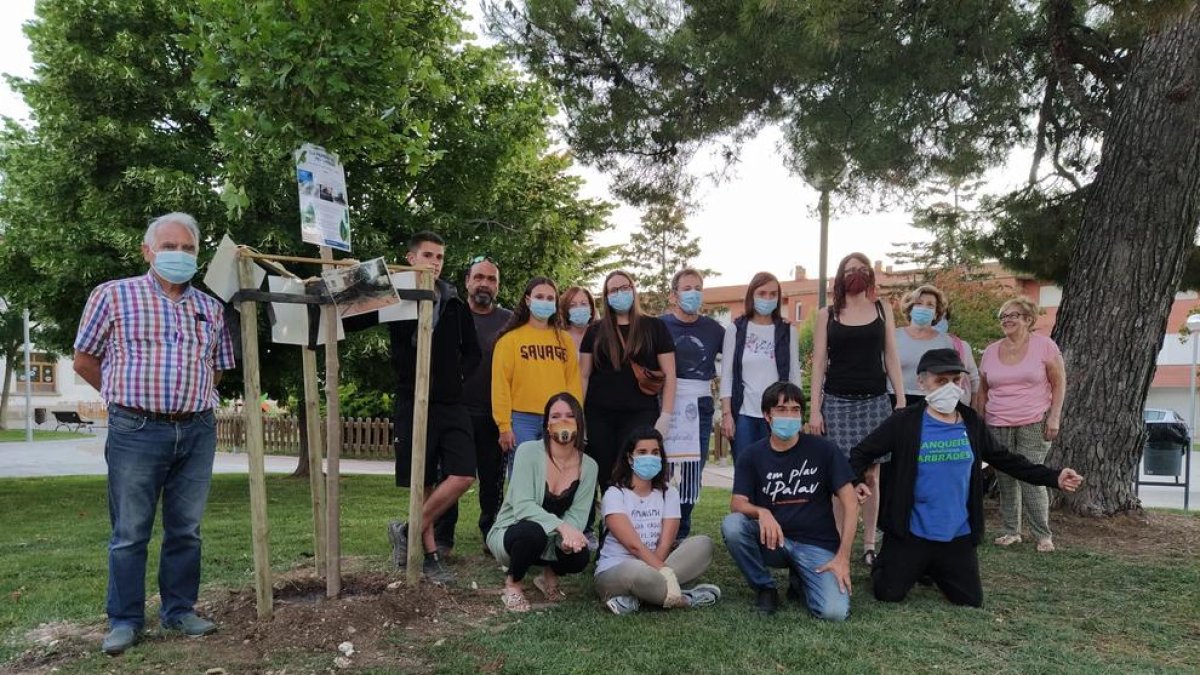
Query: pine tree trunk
point(302, 419)
point(1138, 229)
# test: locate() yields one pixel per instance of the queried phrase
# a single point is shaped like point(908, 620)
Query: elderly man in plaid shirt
point(155, 346)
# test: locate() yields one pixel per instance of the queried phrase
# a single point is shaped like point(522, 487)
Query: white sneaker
point(702, 595)
point(623, 604)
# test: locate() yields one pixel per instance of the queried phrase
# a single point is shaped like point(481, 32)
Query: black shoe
point(925, 580)
point(795, 590)
point(397, 533)
point(767, 601)
point(435, 570)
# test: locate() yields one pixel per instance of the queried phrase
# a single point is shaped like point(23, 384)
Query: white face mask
point(945, 398)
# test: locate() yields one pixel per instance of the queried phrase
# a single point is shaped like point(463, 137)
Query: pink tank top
point(1020, 393)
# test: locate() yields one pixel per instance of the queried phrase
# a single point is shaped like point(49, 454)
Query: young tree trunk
point(1137, 231)
point(302, 419)
point(5, 390)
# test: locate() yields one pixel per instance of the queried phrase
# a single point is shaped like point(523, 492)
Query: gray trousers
point(634, 577)
point(1029, 442)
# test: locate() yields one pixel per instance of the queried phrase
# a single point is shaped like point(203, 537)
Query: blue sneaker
point(191, 626)
point(119, 639)
point(702, 595)
point(623, 604)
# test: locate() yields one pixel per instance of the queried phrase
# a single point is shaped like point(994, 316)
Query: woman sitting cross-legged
point(641, 513)
point(546, 506)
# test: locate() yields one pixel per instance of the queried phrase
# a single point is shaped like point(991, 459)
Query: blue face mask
point(542, 309)
point(177, 267)
point(785, 427)
point(647, 466)
point(621, 301)
point(921, 315)
point(764, 306)
point(690, 301)
point(580, 316)
point(942, 326)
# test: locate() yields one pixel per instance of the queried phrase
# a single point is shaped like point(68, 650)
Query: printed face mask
point(922, 316)
point(542, 309)
point(765, 306)
point(177, 267)
point(856, 281)
point(580, 316)
point(945, 398)
point(647, 466)
point(785, 427)
point(690, 301)
point(563, 431)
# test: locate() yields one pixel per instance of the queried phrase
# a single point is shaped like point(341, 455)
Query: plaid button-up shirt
point(155, 353)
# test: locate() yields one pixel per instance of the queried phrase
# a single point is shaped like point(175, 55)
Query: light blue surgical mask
point(177, 267)
point(921, 315)
point(621, 301)
point(785, 427)
point(542, 309)
point(580, 316)
point(647, 466)
point(942, 326)
point(764, 306)
point(691, 301)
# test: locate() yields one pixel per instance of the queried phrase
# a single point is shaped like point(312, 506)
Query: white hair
point(178, 218)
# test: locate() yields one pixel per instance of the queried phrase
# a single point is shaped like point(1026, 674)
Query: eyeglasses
point(1012, 316)
point(482, 258)
point(621, 289)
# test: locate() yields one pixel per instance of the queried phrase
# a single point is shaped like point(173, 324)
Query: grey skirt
point(849, 420)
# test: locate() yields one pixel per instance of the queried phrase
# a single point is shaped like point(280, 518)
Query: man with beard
point(483, 283)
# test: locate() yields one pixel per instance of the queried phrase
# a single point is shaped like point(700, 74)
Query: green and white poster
point(324, 210)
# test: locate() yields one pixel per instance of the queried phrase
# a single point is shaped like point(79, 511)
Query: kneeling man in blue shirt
point(932, 490)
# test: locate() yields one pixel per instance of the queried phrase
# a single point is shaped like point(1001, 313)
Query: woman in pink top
point(1021, 386)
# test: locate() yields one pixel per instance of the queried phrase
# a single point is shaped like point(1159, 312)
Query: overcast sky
point(761, 218)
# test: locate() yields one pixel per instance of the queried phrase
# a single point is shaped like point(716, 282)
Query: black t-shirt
point(796, 485)
point(616, 389)
point(477, 388)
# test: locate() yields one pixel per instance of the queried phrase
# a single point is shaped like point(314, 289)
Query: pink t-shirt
point(1018, 394)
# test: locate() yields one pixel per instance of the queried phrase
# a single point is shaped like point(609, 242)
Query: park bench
point(71, 420)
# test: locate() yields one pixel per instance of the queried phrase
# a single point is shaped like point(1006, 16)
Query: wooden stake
point(254, 445)
point(416, 494)
point(333, 523)
point(316, 452)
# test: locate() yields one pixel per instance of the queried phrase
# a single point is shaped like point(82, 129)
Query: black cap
point(940, 361)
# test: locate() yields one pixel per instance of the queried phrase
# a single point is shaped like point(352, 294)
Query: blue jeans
point(526, 427)
point(705, 408)
point(825, 600)
point(147, 458)
point(747, 431)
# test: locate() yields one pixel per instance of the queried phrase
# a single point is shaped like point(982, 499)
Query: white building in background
point(55, 387)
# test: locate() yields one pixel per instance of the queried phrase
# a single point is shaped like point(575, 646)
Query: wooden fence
point(361, 438)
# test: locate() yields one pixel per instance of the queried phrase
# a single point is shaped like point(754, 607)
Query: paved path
point(76, 457)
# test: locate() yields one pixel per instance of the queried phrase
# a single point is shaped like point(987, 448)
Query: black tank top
point(856, 357)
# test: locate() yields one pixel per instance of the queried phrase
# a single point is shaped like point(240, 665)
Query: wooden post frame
point(259, 528)
point(333, 499)
point(416, 493)
point(316, 456)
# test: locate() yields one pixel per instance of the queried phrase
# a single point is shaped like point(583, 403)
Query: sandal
point(514, 601)
point(868, 557)
point(552, 593)
point(1008, 539)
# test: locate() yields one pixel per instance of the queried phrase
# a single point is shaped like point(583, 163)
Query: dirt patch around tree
point(377, 622)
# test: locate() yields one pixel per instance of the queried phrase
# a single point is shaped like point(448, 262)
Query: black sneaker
point(435, 570)
point(397, 533)
point(795, 591)
point(767, 601)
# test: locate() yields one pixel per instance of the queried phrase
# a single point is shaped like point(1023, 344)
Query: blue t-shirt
point(696, 346)
point(796, 485)
point(943, 481)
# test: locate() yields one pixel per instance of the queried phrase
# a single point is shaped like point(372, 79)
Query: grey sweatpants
point(1029, 442)
point(634, 577)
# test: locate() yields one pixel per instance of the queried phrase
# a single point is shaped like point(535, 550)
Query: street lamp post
point(824, 182)
point(28, 385)
point(1193, 325)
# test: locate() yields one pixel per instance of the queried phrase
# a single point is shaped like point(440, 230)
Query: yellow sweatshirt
point(529, 365)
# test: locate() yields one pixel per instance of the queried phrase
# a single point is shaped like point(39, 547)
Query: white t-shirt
point(758, 365)
point(646, 514)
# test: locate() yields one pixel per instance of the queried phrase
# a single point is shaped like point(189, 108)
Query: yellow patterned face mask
point(563, 431)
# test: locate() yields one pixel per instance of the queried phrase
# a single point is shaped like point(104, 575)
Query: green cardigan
point(523, 500)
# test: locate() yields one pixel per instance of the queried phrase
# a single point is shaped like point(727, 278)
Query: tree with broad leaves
point(1105, 93)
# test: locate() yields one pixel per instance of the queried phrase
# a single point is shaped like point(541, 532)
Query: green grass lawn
point(8, 435)
point(1092, 607)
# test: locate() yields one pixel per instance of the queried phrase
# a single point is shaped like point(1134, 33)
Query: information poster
point(324, 211)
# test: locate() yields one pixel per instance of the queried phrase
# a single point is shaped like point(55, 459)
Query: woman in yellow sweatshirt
point(533, 360)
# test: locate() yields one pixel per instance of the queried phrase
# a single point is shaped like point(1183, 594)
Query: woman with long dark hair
point(546, 506)
point(627, 359)
point(532, 360)
point(760, 349)
point(854, 358)
point(639, 561)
